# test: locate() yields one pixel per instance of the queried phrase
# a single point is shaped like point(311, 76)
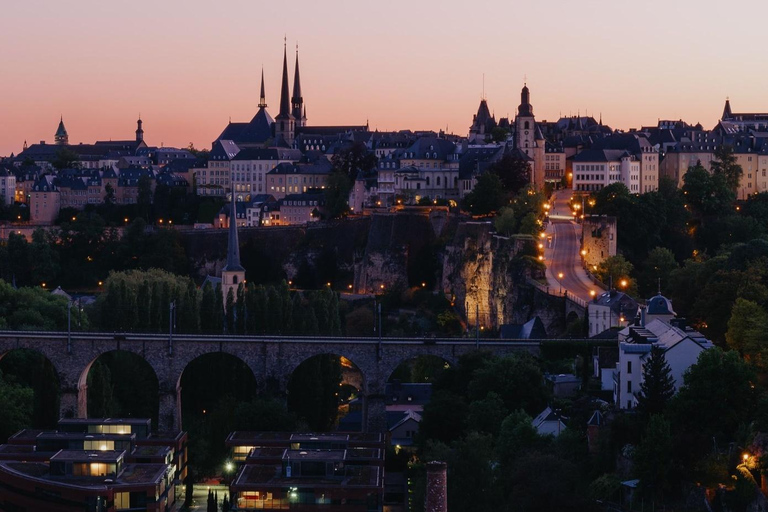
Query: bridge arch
point(34, 369)
point(211, 374)
point(122, 365)
point(323, 386)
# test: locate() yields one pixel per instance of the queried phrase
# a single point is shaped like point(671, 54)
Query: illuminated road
point(561, 251)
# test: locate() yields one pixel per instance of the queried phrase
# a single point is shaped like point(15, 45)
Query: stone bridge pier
point(272, 361)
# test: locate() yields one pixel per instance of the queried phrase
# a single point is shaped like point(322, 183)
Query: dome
point(660, 305)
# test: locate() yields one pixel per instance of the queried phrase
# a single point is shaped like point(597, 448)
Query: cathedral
point(290, 122)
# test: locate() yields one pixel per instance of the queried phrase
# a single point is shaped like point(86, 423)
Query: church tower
point(525, 124)
point(139, 131)
point(233, 273)
point(61, 138)
point(297, 101)
point(285, 122)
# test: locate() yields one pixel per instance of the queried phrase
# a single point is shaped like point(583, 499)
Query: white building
point(548, 423)
point(7, 187)
point(250, 166)
point(682, 346)
point(594, 169)
point(609, 310)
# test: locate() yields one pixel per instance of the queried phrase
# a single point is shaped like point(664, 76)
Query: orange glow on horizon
point(191, 66)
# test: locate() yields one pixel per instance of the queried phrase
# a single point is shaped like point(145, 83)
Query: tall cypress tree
point(230, 309)
point(143, 302)
point(218, 311)
point(207, 309)
point(240, 314)
point(250, 309)
point(658, 386)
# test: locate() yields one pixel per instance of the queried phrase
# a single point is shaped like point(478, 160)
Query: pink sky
point(188, 65)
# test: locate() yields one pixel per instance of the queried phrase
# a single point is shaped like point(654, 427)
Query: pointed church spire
point(285, 103)
point(297, 101)
point(284, 122)
point(262, 96)
point(233, 247)
point(727, 110)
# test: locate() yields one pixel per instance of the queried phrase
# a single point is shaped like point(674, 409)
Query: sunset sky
point(188, 65)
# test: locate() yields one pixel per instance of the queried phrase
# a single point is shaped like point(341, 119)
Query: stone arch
point(43, 407)
point(352, 376)
point(82, 381)
point(249, 383)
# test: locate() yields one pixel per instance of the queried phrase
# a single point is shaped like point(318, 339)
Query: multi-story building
point(657, 326)
point(44, 201)
point(7, 186)
point(102, 465)
point(610, 310)
point(279, 471)
point(289, 178)
point(594, 169)
point(250, 166)
point(301, 208)
point(214, 180)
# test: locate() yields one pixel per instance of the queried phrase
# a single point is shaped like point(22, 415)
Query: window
point(122, 500)
point(629, 366)
point(629, 386)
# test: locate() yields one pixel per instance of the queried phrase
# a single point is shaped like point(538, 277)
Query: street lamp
point(623, 283)
point(560, 279)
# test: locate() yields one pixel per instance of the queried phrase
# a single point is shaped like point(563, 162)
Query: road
point(561, 251)
point(200, 496)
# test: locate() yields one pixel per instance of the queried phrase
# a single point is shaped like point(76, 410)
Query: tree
point(653, 458)
point(725, 165)
point(488, 195)
point(505, 221)
point(515, 173)
point(658, 385)
point(353, 159)
point(16, 403)
point(230, 311)
point(144, 197)
point(657, 268)
point(707, 194)
point(613, 269)
point(337, 190)
point(746, 331)
point(717, 396)
point(65, 158)
point(109, 198)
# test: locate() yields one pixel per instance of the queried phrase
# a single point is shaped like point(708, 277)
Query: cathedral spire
point(262, 96)
point(297, 101)
point(285, 104)
point(285, 122)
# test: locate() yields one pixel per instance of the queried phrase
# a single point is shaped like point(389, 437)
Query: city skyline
point(187, 71)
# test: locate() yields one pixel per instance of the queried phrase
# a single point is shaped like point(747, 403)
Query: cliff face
point(480, 274)
point(400, 249)
point(466, 260)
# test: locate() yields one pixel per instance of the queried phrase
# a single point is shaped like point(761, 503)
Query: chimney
point(437, 495)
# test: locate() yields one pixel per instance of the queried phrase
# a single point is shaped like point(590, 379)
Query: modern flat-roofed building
point(333, 471)
point(99, 465)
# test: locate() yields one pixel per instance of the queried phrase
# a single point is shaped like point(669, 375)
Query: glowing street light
point(623, 283)
point(583, 252)
point(592, 293)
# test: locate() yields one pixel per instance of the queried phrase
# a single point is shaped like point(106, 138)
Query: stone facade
point(598, 239)
point(272, 361)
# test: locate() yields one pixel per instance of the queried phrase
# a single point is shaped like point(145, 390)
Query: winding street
point(561, 251)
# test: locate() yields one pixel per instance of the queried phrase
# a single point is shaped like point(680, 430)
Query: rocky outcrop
point(481, 275)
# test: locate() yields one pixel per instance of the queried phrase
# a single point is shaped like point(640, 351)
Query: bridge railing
point(568, 296)
point(163, 337)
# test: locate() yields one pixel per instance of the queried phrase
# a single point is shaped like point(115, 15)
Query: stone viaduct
point(271, 359)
